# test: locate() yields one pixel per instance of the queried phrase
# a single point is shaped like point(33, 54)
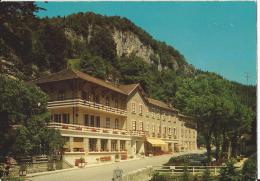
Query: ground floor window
point(122, 145)
point(92, 144)
point(113, 145)
point(104, 145)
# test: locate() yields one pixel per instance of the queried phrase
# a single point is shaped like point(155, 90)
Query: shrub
point(249, 169)
point(117, 156)
point(186, 176)
point(229, 173)
point(158, 177)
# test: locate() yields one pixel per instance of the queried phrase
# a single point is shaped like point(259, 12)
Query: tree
point(204, 98)
point(229, 173)
point(249, 169)
point(94, 65)
point(24, 117)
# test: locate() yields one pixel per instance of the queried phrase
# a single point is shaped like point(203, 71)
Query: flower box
point(105, 131)
point(78, 128)
point(65, 127)
point(115, 132)
point(93, 130)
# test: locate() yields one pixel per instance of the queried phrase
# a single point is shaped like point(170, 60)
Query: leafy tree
point(94, 65)
point(24, 118)
point(229, 173)
point(249, 169)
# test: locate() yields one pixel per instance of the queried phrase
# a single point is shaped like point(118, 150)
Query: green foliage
point(186, 176)
point(158, 177)
point(229, 173)
point(206, 176)
point(249, 169)
point(94, 65)
point(25, 105)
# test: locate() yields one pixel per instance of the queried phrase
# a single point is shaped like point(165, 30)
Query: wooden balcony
point(81, 128)
point(86, 104)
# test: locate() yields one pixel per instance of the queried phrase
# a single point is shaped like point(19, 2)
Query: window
point(116, 103)
point(159, 129)
point(174, 131)
point(98, 121)
point(141, 126)
point(113, 145)
point(85, 96)
point(147, 127)
point(96, 99)
point(122, 145)
point(169, 131)
point(153, 128)
point(61, 95)
point(107, 122)
point(57, 118)
point(133, 107)
point(66, 118)
point(116, 123)
point(92, 121)
point(134, 125)
point(165, 130)
point(107, 101)
point(103, 145)
point(86, 121)
point(141, 109)
point(92, 144)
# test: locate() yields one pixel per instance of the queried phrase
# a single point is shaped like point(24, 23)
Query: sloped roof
point(128, 88)
point(160, 104)
point(68, 74)
point(74, 74)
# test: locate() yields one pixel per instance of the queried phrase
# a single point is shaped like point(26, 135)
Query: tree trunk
point(234, 146)
point(224, 150)
point(208, 147)
point(217, 151)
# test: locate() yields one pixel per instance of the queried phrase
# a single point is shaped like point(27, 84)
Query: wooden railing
point(93, 105)
point(75, 127)
point(194, 170)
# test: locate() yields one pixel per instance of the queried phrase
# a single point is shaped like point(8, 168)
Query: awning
point(156, 142)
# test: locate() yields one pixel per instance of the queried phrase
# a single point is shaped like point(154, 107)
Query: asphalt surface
point(103, 172)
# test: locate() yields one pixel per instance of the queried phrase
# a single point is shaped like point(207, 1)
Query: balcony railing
point(89, 104)
point(138, 133)
point(82, 128)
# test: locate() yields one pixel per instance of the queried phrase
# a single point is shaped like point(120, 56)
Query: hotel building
point(100, 119)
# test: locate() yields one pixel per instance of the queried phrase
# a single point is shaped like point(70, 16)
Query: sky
point(213, 36)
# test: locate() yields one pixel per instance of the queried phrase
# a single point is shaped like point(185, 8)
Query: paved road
point(102, 172)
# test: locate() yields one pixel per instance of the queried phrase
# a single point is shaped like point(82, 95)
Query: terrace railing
point(63, 126)
point(88, 104)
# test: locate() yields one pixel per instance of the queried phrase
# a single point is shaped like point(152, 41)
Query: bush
point(229, 173)
point(249, 169)
point(158, 177)
point(186, 176)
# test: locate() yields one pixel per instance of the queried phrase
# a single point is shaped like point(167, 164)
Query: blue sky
point(214, 36)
